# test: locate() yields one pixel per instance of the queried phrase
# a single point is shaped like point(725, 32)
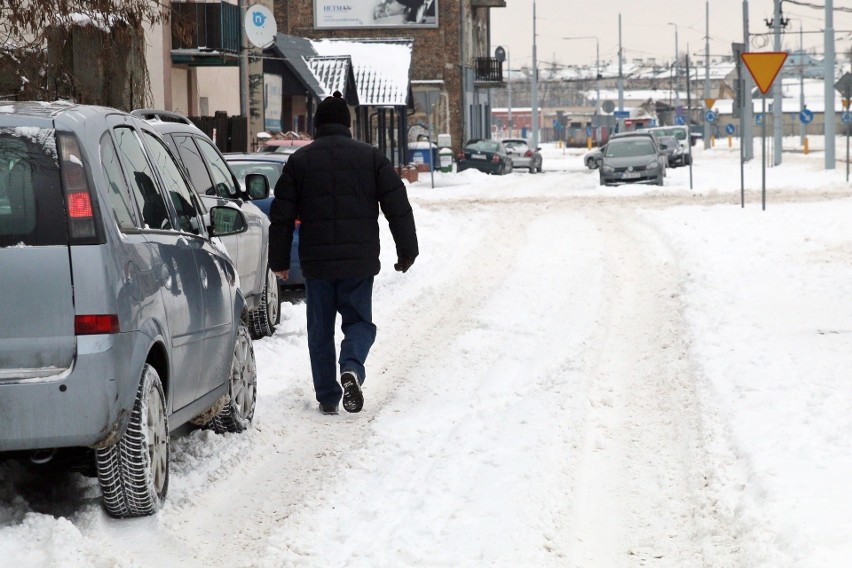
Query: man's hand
point(403, 263)
point(282, 274)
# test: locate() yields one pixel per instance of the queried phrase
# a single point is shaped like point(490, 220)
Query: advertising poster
point(375, 13)
point(272, 91)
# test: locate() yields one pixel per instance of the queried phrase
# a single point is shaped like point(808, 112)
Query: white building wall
point(221, 88)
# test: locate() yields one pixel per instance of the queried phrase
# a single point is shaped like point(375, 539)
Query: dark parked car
point(523, 156)
point(489, 156)
point(270, 165)
point(674, 153)
point(212, 178)
point(631, 159)
point(121, 315)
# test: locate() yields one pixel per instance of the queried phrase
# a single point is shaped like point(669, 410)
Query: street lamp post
point(597, 68)
point(676, 76)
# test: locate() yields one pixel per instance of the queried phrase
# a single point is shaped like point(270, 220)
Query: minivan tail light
point(528, 154)
point(82, 228)
point(95, 324)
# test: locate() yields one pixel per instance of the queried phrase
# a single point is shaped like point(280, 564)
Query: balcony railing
point(205, 29)
point(488, 70)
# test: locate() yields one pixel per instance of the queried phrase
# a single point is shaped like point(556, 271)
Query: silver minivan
point(121, 315)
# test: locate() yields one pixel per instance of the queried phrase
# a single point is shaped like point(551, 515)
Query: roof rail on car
point(162, 115)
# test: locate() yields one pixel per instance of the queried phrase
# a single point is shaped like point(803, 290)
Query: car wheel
point(238, 411)
point(134, 472)
point(263, 320)
point(591, 164)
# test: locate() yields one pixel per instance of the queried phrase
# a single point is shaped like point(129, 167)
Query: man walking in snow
point(335, 186)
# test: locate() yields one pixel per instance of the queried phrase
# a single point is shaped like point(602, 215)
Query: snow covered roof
point(382, 67)
point(332, 72)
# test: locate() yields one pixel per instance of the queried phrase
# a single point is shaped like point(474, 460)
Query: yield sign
point(844, 86)
point(764, 67)
point(708, 103)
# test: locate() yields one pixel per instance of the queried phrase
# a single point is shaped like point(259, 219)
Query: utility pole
point(509, 92)
point(244, 64)
point(706, 69)
point(534, 102)
point(620, 74)
point(830, 130)
point(777, 91)
point(802, 82)
point(747, 134)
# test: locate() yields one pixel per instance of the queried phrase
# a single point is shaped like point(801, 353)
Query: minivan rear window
point(32, 205)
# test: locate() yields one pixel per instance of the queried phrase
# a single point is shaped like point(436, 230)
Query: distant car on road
point(270, 164)
point(283, 145)
point(681, 134)
point(592, 158)
point(523, 156)
point(489, 156)
point(673, 150)
point(121, 314)
point(631, 159)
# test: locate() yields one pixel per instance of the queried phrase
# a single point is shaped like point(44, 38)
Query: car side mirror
point(226, 221)
point(257, 186)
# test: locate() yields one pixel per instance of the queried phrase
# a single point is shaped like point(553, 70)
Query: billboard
point(329, 14)
point(272, 95)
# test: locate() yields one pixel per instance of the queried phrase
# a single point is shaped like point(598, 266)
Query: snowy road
point(533, 399)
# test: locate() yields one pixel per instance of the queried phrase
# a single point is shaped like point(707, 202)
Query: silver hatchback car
point(121, 315)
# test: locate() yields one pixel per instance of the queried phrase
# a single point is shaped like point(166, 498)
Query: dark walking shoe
point(327, 409)
point(353, 398)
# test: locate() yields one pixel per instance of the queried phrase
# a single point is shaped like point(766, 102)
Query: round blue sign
point(806, 116)
point(679, 120)
point(730, 128)
point(710, 116)
point(846, 117)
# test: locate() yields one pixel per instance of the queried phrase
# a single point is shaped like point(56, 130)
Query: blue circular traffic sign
point(846, 117)
point(710, 116)
point(679, 120)
point(730, 128)
point(806, 116)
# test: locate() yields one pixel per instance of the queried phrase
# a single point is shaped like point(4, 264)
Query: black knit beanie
point(333, 110)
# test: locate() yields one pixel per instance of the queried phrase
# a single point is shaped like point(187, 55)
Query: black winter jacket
point(335, 186)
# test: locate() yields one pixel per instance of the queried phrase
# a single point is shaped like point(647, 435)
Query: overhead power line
point(817, 6)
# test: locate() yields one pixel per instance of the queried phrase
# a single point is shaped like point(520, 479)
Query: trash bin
point(445, 159)
point(421, 153)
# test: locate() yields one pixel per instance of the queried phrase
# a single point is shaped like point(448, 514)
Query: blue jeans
point(352, 298)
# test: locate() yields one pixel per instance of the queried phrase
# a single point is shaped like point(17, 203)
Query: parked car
point(631, 159)
point(270, 165)
point(592, 158)
point(645, 133)
point(121, 311)
point(489, 156)
point(674, 153)
point(681, 134)
point(522, 155)
point(212, 178)
point(283, 145)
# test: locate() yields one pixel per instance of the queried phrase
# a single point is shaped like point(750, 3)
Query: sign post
point(844, 86)
point(806, 116)
point(764, 68)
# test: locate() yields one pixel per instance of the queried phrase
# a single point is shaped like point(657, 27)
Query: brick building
point(451, 51)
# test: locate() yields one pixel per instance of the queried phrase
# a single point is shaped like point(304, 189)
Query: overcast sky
point(645, 30)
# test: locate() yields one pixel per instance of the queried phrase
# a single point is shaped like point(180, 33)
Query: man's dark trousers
point(353, 299)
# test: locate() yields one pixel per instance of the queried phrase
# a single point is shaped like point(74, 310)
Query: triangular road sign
point(844, 85)
point(764, 67)
point(708, 103)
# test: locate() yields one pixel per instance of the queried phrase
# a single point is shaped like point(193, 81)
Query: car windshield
point(242, 169)
point(629, 148)
point(482, 146)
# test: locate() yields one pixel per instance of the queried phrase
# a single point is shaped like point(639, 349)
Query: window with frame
point(222, 178)
point(118, 193)
point(183, 198)
point(194, 163)
point(143, 186)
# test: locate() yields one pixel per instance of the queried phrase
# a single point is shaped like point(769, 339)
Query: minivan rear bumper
point(89, 405)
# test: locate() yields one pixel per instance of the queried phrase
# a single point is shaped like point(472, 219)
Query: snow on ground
point(569, 375)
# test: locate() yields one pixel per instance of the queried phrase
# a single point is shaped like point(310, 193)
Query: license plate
point(477, 156)
point(630, 175)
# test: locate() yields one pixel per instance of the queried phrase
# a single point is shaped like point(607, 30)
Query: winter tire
point(134, 472)
point(262, 321)
point(237, 413)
